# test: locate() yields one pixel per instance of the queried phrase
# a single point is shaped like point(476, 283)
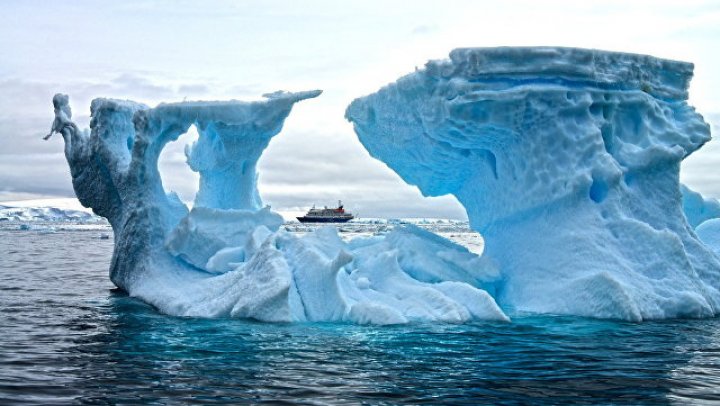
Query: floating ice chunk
point(232, 136)
point(430, 258)
point(114, 171)
point(258, 289)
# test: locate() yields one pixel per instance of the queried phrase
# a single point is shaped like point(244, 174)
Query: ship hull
point(305, 219)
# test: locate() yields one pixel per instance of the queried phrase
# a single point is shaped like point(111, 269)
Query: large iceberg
point(229, 256)
point(567, 163)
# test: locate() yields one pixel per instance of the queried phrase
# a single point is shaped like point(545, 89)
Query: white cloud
point(171, 50)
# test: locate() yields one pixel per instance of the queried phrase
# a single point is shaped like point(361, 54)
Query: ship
point(326, 215)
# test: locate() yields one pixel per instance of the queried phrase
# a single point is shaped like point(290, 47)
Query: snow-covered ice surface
point(229, 256)
point(567, 163)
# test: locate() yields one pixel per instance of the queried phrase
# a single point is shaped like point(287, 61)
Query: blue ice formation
point(697, 208)
point(228, 256)
point(709, 233)
point(567, 163)
point(703, 214)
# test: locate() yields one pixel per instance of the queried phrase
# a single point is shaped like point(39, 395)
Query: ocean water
point(68, 337)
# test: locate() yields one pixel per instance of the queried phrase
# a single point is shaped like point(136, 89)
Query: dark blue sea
point(68, 337)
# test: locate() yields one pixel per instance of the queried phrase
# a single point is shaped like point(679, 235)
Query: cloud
point(168, 51)
point(424, 29)
point(300, 169)
point(302, 166)
point(196, 89)
point(35, 173)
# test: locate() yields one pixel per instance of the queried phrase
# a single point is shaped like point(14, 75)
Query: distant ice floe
point(46, 214)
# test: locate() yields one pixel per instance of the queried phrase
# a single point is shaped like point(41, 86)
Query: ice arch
point(114, 168)
point(175, 173)
point(229, 256)
point(567, 162)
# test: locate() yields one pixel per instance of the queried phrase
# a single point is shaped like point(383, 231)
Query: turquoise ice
point(567, 162)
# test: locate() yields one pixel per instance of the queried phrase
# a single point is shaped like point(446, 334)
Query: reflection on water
point(67, 337)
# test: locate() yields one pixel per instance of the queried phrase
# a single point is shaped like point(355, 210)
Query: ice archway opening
point(176, 175)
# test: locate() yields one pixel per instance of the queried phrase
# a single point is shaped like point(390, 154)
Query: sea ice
point(567, 163)
point(228, 256)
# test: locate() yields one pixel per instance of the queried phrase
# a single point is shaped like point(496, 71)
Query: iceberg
point(228, 255)
point(567, 162)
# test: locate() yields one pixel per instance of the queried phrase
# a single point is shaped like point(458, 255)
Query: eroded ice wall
point(230, 143)
point(567, 162)
point(114, 167)
point(228, 257)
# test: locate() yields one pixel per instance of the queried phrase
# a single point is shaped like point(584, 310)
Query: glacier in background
point(228, 256)
point(567, 162)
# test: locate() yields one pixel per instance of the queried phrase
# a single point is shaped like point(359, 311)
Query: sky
point(155, 51)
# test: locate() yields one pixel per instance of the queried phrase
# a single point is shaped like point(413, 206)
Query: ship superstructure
point(327, 215)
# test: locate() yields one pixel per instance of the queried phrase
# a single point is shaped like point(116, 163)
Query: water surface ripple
point(66, 336)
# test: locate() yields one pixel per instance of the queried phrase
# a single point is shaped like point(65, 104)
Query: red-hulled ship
point(326, 215)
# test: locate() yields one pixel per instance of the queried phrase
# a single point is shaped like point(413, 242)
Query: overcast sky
point(153, 51)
